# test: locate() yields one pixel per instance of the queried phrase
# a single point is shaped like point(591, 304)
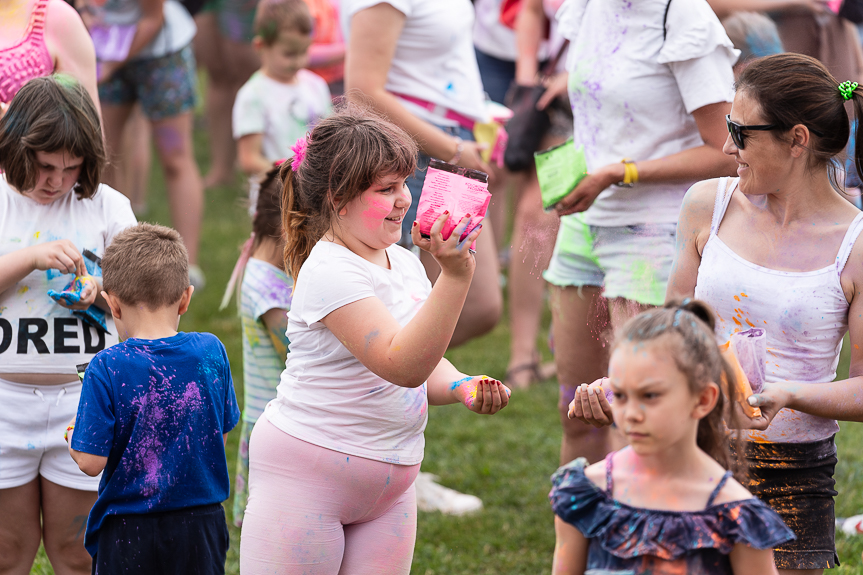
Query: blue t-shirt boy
point(157, 409)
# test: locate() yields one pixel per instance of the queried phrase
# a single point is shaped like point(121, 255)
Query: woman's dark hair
point(346, 154)
point(51, 114)
point(795, 89)
point(267, 221)
point(687, 328)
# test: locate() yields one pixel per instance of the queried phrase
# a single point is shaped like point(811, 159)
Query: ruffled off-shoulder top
point(628, 540)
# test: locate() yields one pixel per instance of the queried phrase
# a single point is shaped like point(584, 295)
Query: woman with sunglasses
point(776, 249)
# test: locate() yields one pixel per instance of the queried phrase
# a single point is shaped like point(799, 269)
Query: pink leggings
point(316, 511)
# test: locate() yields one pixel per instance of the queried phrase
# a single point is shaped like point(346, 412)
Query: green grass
point(506, 459)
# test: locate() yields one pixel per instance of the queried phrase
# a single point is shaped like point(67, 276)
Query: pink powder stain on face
point(375, 214)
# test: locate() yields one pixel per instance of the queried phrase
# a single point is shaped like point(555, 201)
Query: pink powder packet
point(459, 190)
point(750, 346)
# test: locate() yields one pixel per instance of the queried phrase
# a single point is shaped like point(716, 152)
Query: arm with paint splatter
point(842, 399)
point(693, 229)
point(60, 255)
point(697, 163)
point(479, 393)
point(407, 355)
point(276, 321)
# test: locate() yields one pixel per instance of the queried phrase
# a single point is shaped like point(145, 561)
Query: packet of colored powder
point(460, 190)
point(751, 349)
point(744, 389)
point(559, 170)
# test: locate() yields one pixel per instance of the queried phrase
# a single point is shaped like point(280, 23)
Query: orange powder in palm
point(744, 389)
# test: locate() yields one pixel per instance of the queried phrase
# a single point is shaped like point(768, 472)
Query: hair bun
point(698, 308)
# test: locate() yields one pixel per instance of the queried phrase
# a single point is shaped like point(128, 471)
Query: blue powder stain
point(348, 459)
point(455, 384)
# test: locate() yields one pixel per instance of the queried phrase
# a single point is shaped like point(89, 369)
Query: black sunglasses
point(737, 131)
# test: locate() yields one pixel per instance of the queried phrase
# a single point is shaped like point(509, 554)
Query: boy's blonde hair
point(146, 264)
point(276, 16)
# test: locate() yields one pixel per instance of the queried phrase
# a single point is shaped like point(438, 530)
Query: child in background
point(52, 209)
point(282, 100)
point(333, 459)
point(668, 502)
point(154, 413)
point(265, 298)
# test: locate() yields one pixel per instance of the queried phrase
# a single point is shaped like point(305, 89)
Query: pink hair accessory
point(299, 150)
point(278, 163)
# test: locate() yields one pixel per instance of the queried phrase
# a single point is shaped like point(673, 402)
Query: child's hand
point(89, 290)
point(60, 255)
point(454, 257)
point(482, 394)
point(591, 405)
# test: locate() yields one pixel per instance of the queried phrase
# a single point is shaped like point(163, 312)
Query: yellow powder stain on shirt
point(23, 289)
point(36, 235)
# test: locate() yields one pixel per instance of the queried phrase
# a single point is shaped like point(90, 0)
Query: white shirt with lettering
point(38, 335)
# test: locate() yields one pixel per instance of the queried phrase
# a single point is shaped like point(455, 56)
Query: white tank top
point(805, 315)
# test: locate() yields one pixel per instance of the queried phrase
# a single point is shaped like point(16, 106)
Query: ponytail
point(299, 237)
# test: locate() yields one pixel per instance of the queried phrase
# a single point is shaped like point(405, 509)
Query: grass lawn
point(505, 459)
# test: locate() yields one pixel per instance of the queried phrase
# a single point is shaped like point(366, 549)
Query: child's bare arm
point(570, 551)
point(276, 321)
point(251, 156)
point(60, 255)
point(90, 464)
point(479, 393)
point(408, 355)
point(746, 560)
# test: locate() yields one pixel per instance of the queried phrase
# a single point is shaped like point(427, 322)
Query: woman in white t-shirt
point(52, 209)
point(650, 83)
point(414, 61)
point(333, 459)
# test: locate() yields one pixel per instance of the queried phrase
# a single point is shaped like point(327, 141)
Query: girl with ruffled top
point(669, 502)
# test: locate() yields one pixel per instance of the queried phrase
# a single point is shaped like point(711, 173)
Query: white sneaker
point(196, 277)
point(434, 497)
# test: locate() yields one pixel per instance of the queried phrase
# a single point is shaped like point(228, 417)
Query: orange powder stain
point(856, 346)
point(737, 321)
point(737, 298)
point(743, 294)
point(749, 323)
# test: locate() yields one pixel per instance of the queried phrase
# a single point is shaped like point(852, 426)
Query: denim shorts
point(497, 75)
point(630, 262)
point(165, 86)
point(415, 183)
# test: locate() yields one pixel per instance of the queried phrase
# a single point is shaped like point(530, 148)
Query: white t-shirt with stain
point(326, 396)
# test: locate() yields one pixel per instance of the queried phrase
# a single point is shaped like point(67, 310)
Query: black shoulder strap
point(665, 21)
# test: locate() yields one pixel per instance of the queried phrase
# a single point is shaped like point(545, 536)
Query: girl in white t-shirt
point(333, 459)
point(52, 210)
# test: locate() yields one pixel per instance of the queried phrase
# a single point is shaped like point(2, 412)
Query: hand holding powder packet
point(459, 190)
point(559, 170)
point(745, 354)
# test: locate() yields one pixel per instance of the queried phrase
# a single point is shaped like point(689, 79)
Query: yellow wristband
point(630, 173)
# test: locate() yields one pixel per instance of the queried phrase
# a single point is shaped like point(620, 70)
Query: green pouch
point(559, 170)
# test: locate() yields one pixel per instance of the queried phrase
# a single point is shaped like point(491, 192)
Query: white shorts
point(33, 419)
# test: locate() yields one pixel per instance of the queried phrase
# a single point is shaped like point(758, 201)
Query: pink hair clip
point(299, 150)
point(278, 163)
